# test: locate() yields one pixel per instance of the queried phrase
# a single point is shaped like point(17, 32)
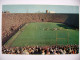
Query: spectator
point(68, 49)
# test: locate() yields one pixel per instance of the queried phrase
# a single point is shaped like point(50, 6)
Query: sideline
point(11, 40)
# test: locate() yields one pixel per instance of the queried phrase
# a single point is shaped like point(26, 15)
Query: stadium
point(40, 33)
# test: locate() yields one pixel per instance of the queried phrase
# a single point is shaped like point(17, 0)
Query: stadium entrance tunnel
point(42, 20)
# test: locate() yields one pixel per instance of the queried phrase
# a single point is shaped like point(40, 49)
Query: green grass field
point(44, 34)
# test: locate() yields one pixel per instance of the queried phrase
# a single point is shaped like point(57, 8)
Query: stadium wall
point(11, 22)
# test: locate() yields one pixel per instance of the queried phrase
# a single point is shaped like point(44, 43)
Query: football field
point(44, 34)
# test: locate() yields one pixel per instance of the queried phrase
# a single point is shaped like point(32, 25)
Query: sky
point(40, 8)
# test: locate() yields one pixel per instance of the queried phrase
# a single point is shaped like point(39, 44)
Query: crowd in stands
point(10, 25)
point(47, 50)
point(7, 34)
